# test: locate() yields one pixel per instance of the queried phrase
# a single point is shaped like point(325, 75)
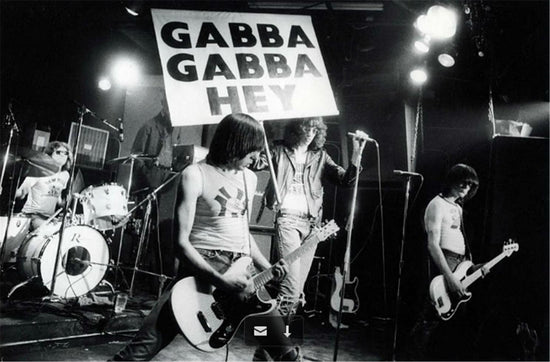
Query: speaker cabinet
point(517, 207)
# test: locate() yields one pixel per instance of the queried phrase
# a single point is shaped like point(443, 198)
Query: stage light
point(134, 7)
point(418, 76)
point(126, 72)
point(104, 84)
point(422, 46)
point(439, 22)
point(446, 60)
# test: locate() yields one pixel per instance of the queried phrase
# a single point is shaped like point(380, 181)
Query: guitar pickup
point(204, 322)
point(440, 302)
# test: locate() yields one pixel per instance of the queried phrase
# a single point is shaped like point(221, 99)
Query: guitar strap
point(463, 230)
point(246, 215)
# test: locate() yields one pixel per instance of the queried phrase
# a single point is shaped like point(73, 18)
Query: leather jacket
point(319, 165)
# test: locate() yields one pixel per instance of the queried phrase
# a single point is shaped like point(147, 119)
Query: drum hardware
point(145, 228)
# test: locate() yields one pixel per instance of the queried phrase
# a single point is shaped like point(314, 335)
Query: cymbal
point(124, 159)
point(37, 159)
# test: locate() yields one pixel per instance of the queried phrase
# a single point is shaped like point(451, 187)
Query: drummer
point(44, 194)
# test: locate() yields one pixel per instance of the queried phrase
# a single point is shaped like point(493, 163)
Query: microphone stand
point(345, 269)
point(81, 112)
point(10, 119)
point(398, 296)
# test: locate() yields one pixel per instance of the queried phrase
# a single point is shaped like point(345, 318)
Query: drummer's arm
point(23, 190)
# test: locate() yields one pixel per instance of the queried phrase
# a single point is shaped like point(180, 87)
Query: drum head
point(83, 261)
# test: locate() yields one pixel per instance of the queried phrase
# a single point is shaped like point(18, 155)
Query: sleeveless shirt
point(220, 217)
point(452, 238)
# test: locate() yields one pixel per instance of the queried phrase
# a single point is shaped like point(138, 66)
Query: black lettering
point(241, 35)
point(269, 36)
point(249, 66)
point(215, 101)
point(210, 35)
point(252, 99)
point(302, 63)
point(298, 36)
point(216, 66)
point(172, 66)
point(277, 66)
point(180, 40)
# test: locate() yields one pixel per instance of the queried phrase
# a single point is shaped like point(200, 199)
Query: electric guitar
point(209, 317)
point(351, 298)
point(445, 303)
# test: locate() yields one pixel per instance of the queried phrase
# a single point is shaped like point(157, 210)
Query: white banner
point(216, 63)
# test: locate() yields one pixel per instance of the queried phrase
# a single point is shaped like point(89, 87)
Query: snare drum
point(104, 206)
point(82, 264)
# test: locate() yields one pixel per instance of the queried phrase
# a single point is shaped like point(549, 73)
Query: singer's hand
point(359, 141)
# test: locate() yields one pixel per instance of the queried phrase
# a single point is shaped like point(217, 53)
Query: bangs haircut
point(52, 146)
point(236, 136)
point(296, 132)
point(458, 174)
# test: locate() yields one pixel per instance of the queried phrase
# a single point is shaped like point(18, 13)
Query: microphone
point(406, 173)
point(120, 129)
point(83, 108)
point(355, 135)
point(81, 262)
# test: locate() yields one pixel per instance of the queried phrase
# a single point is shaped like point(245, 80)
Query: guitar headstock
point(327, 230)
point(510, 246)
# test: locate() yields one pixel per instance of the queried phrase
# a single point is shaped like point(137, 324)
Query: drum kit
point(83, 257)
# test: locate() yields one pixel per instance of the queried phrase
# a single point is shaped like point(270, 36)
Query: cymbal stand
point(10, 121)
point(148, 199)
point(129, 189)
point(81, 112)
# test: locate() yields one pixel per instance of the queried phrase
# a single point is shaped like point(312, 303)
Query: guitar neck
point(475, 275)
point(264, 277)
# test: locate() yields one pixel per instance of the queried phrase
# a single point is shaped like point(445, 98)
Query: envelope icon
point(260, 331)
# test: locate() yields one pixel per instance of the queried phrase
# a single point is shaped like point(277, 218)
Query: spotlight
point(126, 72)
point(104, 84)
point(418, 76)
point(134, 7)
point(422, 46)
point(439, 22)
point(446, 60)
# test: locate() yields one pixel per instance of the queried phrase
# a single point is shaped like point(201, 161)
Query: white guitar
point(445, 303)
point(209, 317)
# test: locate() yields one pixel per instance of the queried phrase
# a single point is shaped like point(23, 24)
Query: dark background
point(53, 52)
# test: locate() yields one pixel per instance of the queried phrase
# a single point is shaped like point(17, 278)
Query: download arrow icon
point(287, 333)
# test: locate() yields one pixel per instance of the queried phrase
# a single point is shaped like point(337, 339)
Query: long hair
point(237, 135)
point(52, 146)
point(461, 173)
point(296, 130)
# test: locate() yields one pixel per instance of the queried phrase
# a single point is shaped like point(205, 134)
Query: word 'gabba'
point(175, 35)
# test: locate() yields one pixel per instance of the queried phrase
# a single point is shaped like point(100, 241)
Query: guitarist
point(213, 233)
point(446, 245)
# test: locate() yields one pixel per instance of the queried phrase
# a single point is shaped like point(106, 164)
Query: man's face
point(247, 160)
point(462, 188)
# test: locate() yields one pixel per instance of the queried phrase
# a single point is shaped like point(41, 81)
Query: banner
point(216, 63)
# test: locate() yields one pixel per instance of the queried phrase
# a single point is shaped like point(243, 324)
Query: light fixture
point(125, 72)
point(447, 57)
point(418, 76)
point(133, 7)
point(318, 5)
point(422, 46)
point(439, 23)
point(104, 84)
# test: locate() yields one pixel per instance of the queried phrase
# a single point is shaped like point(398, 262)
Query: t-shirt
point(43, 193)
point(295, 198)
point(220, 217)
point(452, 238)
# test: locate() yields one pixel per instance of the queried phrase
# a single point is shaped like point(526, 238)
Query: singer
point(301, 163)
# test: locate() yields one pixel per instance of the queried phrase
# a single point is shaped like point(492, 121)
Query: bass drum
point(82, 264)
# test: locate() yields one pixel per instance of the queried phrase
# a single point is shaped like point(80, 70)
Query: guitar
point(203, 312)
point(351, 298)
point(446, 304)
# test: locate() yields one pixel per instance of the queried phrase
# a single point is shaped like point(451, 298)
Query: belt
point(288, 212)
point(453, 254)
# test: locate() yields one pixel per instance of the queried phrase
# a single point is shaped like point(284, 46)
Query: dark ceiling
point(53, 51)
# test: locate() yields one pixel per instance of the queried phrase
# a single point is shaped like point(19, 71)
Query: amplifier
point(92, 147)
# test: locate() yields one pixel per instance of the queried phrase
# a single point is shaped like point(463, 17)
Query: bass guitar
point(209, 317)
point(445, 303)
